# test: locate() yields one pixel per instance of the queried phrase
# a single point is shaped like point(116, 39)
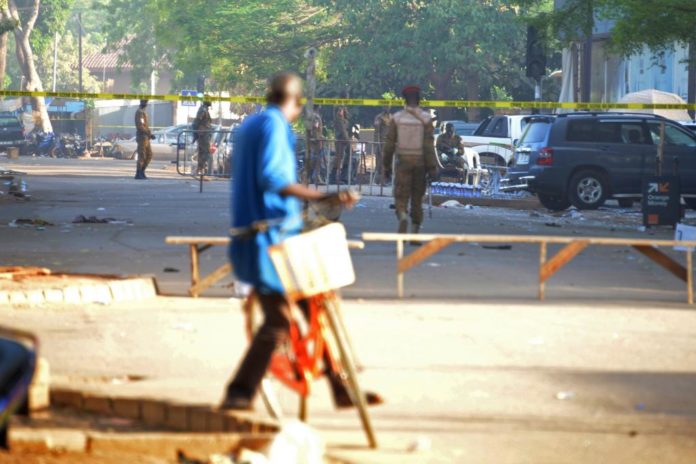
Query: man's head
point(285, 92)
point(412, 95)
point(208, 104)
point(449, 128)
point(143, 104)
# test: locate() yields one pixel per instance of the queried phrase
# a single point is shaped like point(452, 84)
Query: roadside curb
point(163, 414)
point(87, 289)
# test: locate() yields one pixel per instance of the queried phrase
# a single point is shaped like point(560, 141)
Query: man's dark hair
point(278, 87)
point(143, 103)
point(449, 126)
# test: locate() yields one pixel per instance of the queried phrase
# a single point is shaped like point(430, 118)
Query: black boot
point(142, 174)
point(138, 174)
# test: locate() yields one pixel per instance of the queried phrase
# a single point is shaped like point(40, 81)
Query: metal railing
point(219, 154)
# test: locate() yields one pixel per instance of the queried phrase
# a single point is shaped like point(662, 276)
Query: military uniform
point(381, 124)
point(317, 162)
point(412, 166)
point(446, 144)
point(342, 142)
point(143, 135)
point(203, 125)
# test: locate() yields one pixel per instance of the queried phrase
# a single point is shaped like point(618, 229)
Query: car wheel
point(554, 202)
point(690, 202)
point(588, 190)
point(626, 202)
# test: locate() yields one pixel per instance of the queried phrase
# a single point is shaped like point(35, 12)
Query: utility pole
point(311, 88)
point(692, 76)
point(79, 21)
point(586, 89)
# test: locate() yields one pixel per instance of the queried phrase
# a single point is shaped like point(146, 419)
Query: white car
point(164, 145)
point(495, 138)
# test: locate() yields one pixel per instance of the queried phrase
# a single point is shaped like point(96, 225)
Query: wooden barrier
point(198, 245)
point(572, 246)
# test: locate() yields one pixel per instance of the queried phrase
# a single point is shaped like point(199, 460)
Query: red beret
point(410, 89)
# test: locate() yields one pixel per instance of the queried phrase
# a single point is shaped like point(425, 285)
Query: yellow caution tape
point(359, 101)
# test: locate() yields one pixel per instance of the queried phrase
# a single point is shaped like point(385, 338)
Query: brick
point(154, 413)
point(18, 299)
point(178, 417)
point(67, 398)
point(199, 419)
point(71, 295)
point(216, 422)
point(51, 295)
point(98, 405)
point(38, 397)
point(127, 408)
point(35, 297)
point(42, 373)
point(29, 441)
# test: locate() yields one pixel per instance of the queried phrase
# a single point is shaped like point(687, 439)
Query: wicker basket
point(314, 262)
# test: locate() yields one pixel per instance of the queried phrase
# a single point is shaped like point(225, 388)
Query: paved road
point(481, 382)
point(171, 205)
point(603, 372)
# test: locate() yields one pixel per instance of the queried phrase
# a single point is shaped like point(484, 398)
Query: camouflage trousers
point(144, 152)
point(204, 152)
point(410, 187)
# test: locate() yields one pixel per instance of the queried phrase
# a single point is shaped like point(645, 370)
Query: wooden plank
point(215, 241)
point(423, 253)
point(210, 280)
point(561, 258)
point(224, 241)
point(663, 260)
point(542, 263)
point(690, 276)
point(531, 239)
point(195, 274)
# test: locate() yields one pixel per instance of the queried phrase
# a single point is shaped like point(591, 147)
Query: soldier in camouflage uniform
point(203, 127)
point(341, 126)
point(317, 163)
point(450, 148)
point(382, 121)
point(411, 139)
point(143, 135)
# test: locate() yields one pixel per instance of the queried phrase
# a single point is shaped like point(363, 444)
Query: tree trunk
point(3, 58)
point(25, 57)
point(442, 82)
point(473, 93)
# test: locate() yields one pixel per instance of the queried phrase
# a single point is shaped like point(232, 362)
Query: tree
point(24, 13)
point(657, 24)
point(453, 48)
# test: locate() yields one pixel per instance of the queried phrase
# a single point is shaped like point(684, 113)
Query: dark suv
point(583, 159)
point(12, 132)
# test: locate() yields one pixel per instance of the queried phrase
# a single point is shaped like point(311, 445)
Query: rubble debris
point(451, 204)
point(95, 220)
point(18, 273)
point(170, 270)
point(497, 247)
point(420, 444)
point(553, 224)
point(37, 222)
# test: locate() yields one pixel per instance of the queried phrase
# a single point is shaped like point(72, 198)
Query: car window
point(633, 133)
point(581, 131)
point(536, 132)
point(498, 128)
point(482, 127)
point(6, 121)
point(673, 136)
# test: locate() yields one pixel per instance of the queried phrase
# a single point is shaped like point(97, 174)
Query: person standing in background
point(381, 124)
point(143, 135)
point(411, 139)
point(341, 126)
point(203, 133)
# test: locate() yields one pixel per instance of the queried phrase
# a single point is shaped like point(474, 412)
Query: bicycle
point(312, 266)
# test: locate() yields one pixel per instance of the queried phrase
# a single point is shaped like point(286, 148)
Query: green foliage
point(657, 24)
